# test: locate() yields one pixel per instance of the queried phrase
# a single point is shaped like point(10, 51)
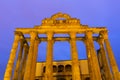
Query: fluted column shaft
point(74, 54)
point(23, 63)
point(17, 68)
point(30, 57)
point(113, 63)
point(95, 66)
point(104, 60)
point(89, 58)
point(49, 58)
point(8, 72)
point(34, 60)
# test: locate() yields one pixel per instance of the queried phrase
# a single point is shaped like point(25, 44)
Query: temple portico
point(100, 66)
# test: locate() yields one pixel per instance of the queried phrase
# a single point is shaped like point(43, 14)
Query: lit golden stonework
point(60, 19)
point(96, 67)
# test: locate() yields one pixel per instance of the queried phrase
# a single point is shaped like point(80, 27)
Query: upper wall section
point(59, 19)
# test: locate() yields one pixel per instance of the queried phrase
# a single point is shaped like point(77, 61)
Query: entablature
point(95, 30)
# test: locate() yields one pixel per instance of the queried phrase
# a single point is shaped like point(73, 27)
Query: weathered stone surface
point(62, 24)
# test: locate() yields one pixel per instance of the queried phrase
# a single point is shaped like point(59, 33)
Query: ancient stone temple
point(99, 65)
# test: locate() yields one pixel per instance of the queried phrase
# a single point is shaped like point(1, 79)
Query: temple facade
point(99, 65)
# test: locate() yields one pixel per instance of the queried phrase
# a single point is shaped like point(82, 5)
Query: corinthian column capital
point(33, 35)
point(73, 35)
point(89, 34)
point(104, 34)
point(49, 35)
point(17, 35)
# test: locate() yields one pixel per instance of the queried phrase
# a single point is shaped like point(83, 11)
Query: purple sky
point(27, 13)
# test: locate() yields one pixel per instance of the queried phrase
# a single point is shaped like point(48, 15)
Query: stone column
point(49, 58)
point(34, 60)
point(95, 65)
point(23, 63)
point(30, 57)
point(105, 65)
point(17, 68)
point(8, 72)
point(113, 64)
point(74, 54)
point(89, 58)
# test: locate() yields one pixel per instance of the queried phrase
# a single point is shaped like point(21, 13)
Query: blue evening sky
point(27, 13)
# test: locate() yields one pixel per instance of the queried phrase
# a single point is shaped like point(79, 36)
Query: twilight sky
point(27, 13)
